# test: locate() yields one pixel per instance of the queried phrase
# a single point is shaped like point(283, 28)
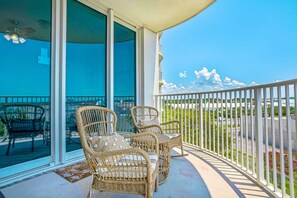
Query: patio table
point(164, 157)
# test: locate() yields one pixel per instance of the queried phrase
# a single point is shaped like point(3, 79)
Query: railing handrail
point(281, 83)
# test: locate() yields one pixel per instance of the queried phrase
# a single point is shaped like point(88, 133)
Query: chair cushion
point(108, 143)
point(172, 135)
point(131, 172)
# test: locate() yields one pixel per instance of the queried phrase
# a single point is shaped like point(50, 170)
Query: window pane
point(25, 45)
point(85, 64)
point(124, 76)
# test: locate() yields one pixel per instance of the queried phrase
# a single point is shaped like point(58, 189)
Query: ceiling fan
point(17, 34)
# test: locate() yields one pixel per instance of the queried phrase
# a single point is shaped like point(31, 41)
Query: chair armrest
point(171, 127)
point(147, 141)
point(155, 128)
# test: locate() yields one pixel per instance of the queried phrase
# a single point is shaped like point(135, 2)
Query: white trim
point(140, 69)
point(23, 167)
point(55, 81)
point(95, 6)
point(110, 60)
point(19, 171)
point(33, 172)
point(62, 81)
point(125, 24)
point(76, 154)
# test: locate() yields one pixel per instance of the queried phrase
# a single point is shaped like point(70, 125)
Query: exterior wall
point(277, 132)
point(160, 58)
point(150, 67)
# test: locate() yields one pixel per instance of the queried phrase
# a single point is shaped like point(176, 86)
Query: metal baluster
point(218, 131)
point(252, 130)
point(213, 126)
point(289, 139)
point(273, 138)
point(222, 126)
point(192, 128)
point(280, 124)
point(227, 129)
point(236, 126)
point(231, 125)
point(246, 130)
point(266, 136)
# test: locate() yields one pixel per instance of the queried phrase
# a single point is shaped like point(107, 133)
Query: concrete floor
point(184, 181)
point(196, 175)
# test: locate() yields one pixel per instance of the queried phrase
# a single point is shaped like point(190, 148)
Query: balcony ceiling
point(157, 15)
point(33, 18)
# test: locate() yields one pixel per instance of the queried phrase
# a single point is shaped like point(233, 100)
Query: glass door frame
point(78, 155)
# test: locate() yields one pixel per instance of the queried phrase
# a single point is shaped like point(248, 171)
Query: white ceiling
point(156, 15)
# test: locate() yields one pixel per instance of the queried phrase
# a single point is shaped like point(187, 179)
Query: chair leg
point(9, 143)
point(156, 184)
point(13, 143)
point(182, 152)
point(91, 191)
point(32, 143)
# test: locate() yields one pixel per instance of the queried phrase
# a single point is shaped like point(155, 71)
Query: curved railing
point(253, 128)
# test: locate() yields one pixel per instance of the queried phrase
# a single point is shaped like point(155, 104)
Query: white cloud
point(183, 74)
point(172, 88)
point(204, 77)
point(228, 82)
point(206, 80)
point(253, 83)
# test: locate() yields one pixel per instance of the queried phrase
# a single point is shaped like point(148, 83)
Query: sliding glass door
point(25, 68)
point(85, 64)
point(124, 76)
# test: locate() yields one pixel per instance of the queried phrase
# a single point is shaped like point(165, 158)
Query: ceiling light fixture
point(15, 38)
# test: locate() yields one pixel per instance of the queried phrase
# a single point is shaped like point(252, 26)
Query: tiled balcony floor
point(197, 175)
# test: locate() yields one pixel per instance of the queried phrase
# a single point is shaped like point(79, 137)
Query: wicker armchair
point(118, 163)
point(145, 119)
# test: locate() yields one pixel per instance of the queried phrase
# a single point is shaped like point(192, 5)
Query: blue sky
point(232, 44)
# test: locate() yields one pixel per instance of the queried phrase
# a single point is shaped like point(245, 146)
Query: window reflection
point(25, 47)
point(124, 76)
point(85, 64)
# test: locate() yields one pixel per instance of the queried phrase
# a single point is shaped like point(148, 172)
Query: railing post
point(259, 135)
point(201, 121)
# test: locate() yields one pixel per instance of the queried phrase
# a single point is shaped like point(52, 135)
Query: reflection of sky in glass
point(124, 68)
point(21, 74)
point(85, 69)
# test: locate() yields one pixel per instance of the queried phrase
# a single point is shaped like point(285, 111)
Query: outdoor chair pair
point(118, 163)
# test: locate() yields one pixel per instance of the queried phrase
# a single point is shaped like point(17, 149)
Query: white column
point(110, 60)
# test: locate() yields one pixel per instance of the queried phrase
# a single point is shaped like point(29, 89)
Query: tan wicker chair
point(116, 165)
point(145, 119)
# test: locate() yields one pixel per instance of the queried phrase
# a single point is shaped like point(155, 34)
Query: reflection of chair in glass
point(71, 129)
point(145, 119)
point(117, 166)
point(21, 121)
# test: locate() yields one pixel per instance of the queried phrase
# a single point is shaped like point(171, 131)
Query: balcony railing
point(253, 128)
